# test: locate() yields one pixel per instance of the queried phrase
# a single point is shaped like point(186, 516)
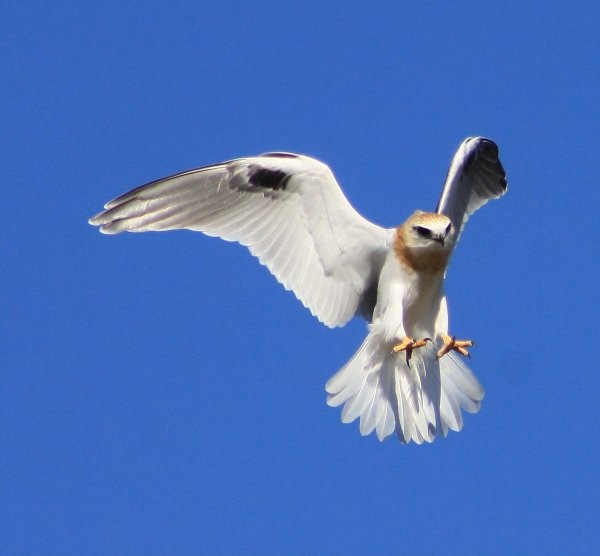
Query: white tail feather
point(419, 401)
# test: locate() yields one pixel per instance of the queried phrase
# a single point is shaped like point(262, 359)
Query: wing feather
point(475, 176)
point(287, 209)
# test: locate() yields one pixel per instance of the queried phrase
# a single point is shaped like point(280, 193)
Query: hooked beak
point(440, 239)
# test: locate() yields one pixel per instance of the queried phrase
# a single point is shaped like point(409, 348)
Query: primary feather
point(475, 176)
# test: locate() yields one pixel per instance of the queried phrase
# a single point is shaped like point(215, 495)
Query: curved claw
point(408, 344)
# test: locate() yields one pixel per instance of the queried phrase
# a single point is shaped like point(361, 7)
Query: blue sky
point(162, 393)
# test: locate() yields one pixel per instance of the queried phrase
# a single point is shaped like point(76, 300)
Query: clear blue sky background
point(162, 394)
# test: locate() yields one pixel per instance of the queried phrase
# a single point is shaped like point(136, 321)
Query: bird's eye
point(423, 232)
point(448, 228)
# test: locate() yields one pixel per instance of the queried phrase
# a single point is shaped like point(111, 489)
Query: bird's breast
point(421, 305)
point(408, 300)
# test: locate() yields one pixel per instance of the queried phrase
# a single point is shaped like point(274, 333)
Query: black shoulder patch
point(269, 179)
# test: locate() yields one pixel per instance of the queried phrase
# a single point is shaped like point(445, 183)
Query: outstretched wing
point(475, 176)
point(287, 209)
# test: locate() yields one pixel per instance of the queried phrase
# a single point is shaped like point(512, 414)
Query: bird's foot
point(408, 345)
point(452, 344)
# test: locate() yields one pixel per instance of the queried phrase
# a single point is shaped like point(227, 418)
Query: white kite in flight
point(290, 212)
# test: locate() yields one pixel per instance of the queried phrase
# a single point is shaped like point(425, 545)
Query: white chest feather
point(408, 302)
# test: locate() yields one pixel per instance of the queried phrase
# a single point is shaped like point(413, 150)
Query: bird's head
point(427, 230)
point(425, 240)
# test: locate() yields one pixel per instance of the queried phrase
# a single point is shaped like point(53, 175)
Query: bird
point(410, 374)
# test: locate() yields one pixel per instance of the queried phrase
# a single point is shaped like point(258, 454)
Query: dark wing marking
point(475, 176)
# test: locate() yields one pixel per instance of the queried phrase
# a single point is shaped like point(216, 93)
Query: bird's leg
point(451, 343)
point(408, 344)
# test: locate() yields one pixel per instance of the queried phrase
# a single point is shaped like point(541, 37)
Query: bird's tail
point(420, 400)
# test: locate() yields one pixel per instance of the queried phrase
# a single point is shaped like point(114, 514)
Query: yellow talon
point(407, 345)
point(452, 344)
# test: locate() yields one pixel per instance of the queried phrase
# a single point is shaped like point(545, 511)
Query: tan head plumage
point(424, 242)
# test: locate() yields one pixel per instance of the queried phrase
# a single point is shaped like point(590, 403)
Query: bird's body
point(290, 212)
point(384, 388)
